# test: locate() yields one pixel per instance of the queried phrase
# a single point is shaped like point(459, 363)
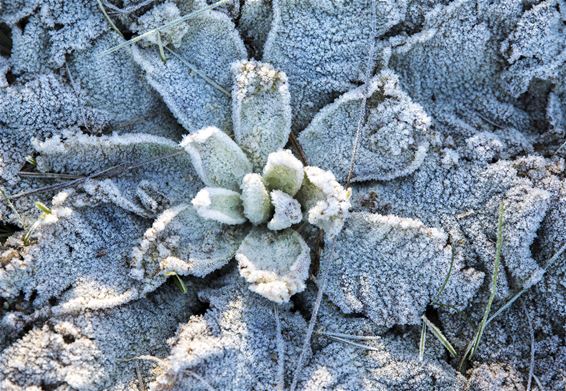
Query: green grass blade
point(160, 45)
point(438, 334)
point(494, 276)
point(422, 341)
point(447, 277)
point(178, 281)
point(42, 207)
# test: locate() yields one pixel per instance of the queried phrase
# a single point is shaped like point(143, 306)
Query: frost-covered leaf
point(222, 205)
point(180, 241)
point(76, 259)
point(536, 48)
point(158, 16)
point(284, 172)
point(233, 345)
point(12, 11)
point(255, 22)
point(386, 267)
point(160, 180)
point(261, 111)
point(256, 199)
point(275, 264)
point(394, 136)
point(287, 211)
point(94, 350)
point(38, 108)
point(29, 54)
point(452, 66)
point(323, 47)
point(218, 160)
point(325, 201)
point(211, 44)
point(113, 85)
point(381, 361)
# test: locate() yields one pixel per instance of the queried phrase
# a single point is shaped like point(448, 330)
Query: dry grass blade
point(350, 336)
point(101, 6)
point(298, 148)
point(111, 171)
point(498, 247)
point(48, 175)
point(8, 202)
point(438, 334)
point(539, 384)
point(359, 345)
point(198, 72)
point(160, 45)
point(166, 26)
point(422, 341)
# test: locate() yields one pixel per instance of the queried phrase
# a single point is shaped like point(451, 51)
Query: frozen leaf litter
point(185, 169)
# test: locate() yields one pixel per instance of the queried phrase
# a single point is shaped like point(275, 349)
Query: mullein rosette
point(253, 182)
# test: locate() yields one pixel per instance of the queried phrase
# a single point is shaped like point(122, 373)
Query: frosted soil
point(174, 209)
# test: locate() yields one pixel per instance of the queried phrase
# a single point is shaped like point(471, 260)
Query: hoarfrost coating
point(195, 183)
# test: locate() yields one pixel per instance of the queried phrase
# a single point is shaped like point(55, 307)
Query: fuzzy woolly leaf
point(394, 141)
point(255, 198)
point(275, 264)
point(323, 47)
point(144, 190)
point(324, 200)
point(287, 211)
point(260, 109)
point(180, 241)
point(208, 48)
point(284, 172)
point(386, 267)
point(222, 205)
point(218, 160)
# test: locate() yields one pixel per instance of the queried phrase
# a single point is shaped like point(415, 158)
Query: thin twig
point(280, 350)
point(532, 337)
point(48, 175)
point(297, 146)
point(114, 170)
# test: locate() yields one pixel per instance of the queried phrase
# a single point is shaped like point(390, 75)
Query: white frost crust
point(275, 264)
point(156, 17)
point(255, 199)
point(261, 109)
point(284, 172)
point(222, 205)
point(217, 159)
point(327, 203)
point(287, 211)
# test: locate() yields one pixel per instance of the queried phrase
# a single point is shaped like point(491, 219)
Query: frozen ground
point(443, 117)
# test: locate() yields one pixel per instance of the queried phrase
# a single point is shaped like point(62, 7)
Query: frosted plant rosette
point(255, 182)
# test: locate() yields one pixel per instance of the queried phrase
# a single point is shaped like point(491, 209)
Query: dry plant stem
point(359, 345)
point(48, 175)
point(322, 279)
point(369, 69)
point(280, 350)
point(112, 171)
point(532, 337)
point(298, 148)
point(349, 336)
